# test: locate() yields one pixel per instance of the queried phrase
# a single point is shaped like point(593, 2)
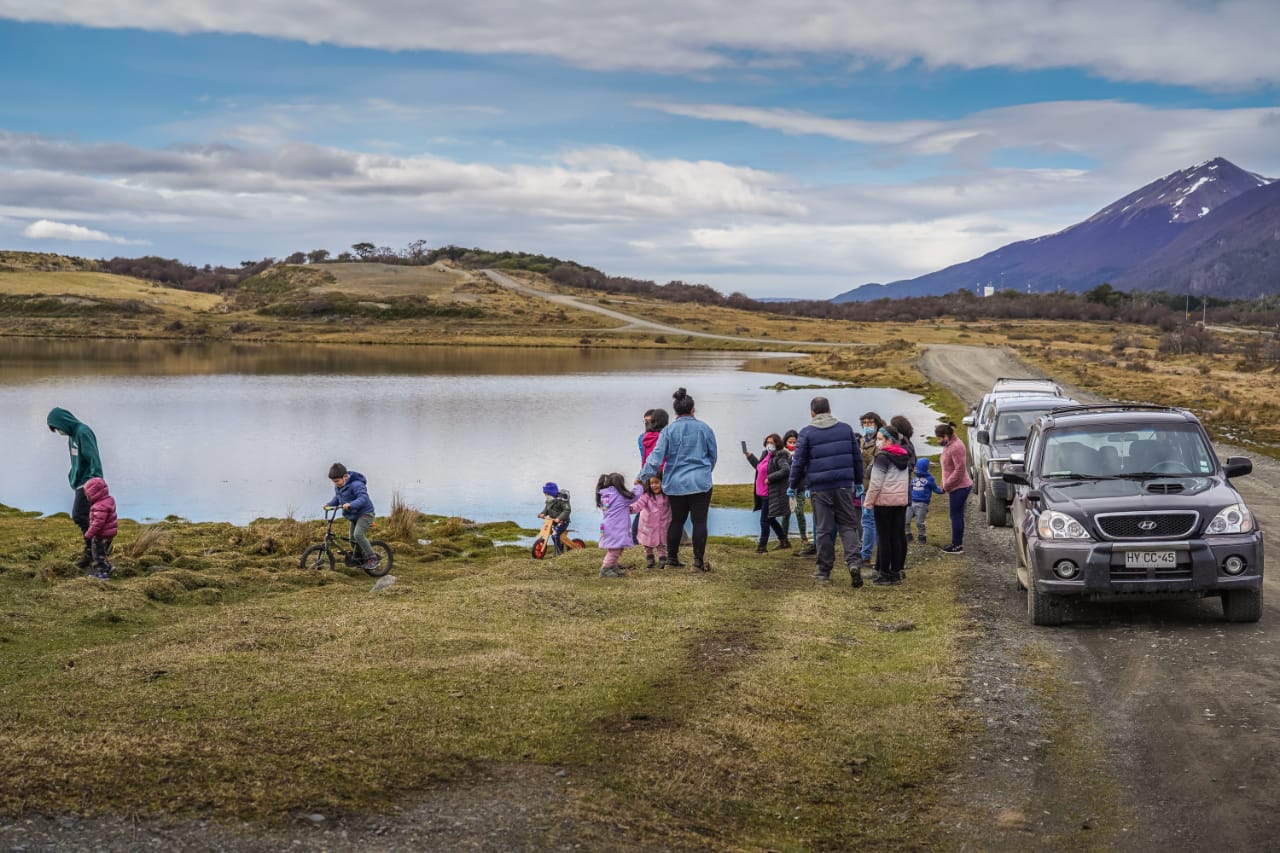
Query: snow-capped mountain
point(1115, 241)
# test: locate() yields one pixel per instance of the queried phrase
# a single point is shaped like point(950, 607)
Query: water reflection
point(232, 433)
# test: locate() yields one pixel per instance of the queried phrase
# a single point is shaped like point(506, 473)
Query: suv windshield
point(1013, 426)
point(1149, 451)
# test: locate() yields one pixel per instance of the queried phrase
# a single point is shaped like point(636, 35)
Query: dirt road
point(1143, 727)
point(636, 323)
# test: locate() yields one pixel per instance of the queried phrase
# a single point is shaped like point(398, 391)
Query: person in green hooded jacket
point(85, 465)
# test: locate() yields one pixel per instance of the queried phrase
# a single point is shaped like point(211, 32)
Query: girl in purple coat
point(653, 511)
point(614, 499)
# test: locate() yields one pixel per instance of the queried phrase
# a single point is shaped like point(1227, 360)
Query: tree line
point(1103, 303)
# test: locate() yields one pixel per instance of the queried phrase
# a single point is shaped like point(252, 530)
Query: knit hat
point(551, 489)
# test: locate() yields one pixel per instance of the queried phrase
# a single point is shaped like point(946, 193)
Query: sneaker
point(612, 573)
point(807, 551)
point(822, 576)
point(784, 545)
point(760, 549)
point(855, 579)
point(85, 561)
point(102, 574)
point(675, 564)
point(662, 563)
point(884, 581)
point(953, 549)
point(373, 562)
point(700, 566)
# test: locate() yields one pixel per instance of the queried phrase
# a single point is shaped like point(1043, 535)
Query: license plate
point(1150, 559)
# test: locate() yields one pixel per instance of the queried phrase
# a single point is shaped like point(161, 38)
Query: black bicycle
point(316, 556)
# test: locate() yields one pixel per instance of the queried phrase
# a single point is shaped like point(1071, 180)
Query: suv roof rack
point(1115, 407)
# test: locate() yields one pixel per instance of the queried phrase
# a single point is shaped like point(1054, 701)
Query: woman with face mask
point(800, 503)
point(773, 470)
point(956, 482)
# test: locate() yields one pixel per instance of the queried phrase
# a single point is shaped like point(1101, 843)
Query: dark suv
point(992, 447)
point(1121, 502)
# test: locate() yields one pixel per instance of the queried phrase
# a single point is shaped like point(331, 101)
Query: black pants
point(693, 507)
point(80, 510)
point(891, 549)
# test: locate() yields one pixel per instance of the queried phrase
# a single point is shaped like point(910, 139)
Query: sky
point(793, 149)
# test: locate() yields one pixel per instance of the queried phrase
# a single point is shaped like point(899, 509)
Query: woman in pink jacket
point(955, 481)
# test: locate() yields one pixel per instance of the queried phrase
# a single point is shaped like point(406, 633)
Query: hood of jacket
point(922, 466)
point(95, 489)
point(826, 420)
point(896, 455)
point(61, 419)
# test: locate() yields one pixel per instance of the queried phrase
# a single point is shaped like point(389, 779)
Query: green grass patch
point(744, 708)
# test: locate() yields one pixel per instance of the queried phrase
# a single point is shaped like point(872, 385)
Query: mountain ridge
point(1112, 243)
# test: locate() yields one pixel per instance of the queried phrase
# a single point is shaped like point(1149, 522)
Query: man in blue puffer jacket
point(829, 454)
point(350, 493)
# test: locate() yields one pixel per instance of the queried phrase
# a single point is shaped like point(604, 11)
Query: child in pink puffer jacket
point(655, 517)
point(102, 525)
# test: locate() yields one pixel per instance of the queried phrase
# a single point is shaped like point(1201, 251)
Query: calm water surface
point(233, 433)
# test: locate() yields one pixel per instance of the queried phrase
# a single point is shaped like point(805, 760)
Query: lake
point(237, 432)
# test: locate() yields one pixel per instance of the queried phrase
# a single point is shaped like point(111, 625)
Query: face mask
point(868, 431)
point(770, 448)
point(942, 442)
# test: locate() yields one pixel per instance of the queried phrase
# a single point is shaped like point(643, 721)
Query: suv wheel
point(1042, 609)
point(997, 511)
point(1242, 605)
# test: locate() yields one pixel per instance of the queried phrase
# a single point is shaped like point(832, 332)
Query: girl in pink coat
point(655, 517)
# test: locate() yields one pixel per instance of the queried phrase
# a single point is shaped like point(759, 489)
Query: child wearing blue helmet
point(557, 507)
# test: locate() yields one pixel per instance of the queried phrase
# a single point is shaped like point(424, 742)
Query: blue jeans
point(767, 521)
point(958, 498)
point(868, 533)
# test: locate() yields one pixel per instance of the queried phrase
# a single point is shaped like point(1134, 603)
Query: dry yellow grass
point(99, 285)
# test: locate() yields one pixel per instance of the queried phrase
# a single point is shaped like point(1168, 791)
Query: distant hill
point(1116, 241)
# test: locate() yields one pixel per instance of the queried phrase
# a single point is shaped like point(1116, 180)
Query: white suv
point(980, 417)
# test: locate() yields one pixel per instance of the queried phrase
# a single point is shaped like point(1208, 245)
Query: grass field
point(99, 285)
point(745, 708)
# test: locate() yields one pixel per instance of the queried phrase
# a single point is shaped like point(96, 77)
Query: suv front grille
point(1148, 525)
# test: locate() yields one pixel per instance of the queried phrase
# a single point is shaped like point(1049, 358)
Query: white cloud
point(1207, 43)
point(44, 229)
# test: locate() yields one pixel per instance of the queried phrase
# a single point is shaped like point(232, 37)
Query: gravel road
point(1141, 727)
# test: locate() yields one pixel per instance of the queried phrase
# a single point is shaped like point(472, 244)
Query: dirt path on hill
point(1142, 727)
point(634, 324)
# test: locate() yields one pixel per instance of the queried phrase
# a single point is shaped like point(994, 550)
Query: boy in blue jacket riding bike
point(350, 492)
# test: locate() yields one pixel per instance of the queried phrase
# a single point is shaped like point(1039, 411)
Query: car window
point(1172, 449)
point(1013, 426)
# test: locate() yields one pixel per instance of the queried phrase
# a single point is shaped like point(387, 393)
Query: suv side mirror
point(967, 420)
point(1238, 466)
point(1018, 458)
point(1016, 474)
point(984, 436)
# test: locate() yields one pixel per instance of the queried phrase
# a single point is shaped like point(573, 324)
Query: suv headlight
point(1234, 519)
point(1058, 525)
point(995, 467)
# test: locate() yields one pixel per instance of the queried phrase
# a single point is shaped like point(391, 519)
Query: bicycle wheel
point(539, 548)
point(314, 558)
point(578, 543)
point(383, 550)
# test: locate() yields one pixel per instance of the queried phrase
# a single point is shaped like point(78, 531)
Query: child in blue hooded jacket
point(351, 493)
point(923, 488)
